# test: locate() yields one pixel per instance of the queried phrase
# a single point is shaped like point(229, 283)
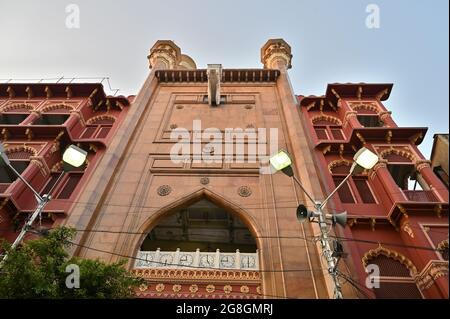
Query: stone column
point(276, 54)
point(394, 192)
point(350, 118)
point(34, 115)
point(423, 167)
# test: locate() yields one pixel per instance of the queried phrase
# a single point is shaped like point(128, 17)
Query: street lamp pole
point(363, 159)
point(73, 157)
point(327, 252)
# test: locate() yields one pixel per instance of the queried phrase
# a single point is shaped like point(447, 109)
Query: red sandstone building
point(400, 201)
point(196, 229)
point(37, 122)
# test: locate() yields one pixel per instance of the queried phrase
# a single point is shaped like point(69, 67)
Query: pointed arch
point(189, 199)
point(380, 250)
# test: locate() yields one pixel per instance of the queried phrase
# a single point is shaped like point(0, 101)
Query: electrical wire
point(71, 79)
point(354, 283)
point(311, 239)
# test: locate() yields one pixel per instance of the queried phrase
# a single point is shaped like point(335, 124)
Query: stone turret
point(276, 54)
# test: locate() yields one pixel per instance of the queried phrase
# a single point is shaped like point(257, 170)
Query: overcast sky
point(329, 39)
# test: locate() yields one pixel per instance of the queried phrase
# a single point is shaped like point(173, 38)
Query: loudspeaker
point(340, 219)
point(303, 213)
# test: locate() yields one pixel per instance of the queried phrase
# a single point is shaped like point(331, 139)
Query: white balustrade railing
point(197, 259)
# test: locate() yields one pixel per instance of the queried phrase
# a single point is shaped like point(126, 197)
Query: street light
point(363, 159)
point(73, 157)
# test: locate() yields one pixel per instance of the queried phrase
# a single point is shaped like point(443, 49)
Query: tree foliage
point(37, 269)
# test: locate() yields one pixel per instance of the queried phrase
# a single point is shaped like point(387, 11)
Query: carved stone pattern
point(227, 289)
point(421, 164)
point(56, 106)
point(193, 274)
point(380, 250)
point(176, 288)
point(193, 288)
point(365, 106)
point(160, 287)
point(204, 180)
point(244, 191)
point(245, 289)
point(210, 288)
point(328, 118)
point(143, 287)
point(164, 190)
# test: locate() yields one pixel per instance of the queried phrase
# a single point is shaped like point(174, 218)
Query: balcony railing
point(197, 259)
point(420, 196)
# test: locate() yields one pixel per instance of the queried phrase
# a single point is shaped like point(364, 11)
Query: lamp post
point(73, 157)
point(363, 159)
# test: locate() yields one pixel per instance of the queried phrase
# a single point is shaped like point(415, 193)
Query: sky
point(330, 43)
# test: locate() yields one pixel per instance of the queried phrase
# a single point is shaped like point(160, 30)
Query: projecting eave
point(228, 75)
point(36, 132)
point(387, 135)
point(336, 91)
point(93, 91)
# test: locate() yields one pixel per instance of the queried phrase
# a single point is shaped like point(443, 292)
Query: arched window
point(98, 127)
point(54, 115)
point(403, 171)
point(395, 278)
point(356, 189)
point(15, 114)
point(328, 128)
point(367, 115)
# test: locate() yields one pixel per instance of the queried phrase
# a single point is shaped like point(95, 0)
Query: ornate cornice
point(433, 271)
point(198, 275)
point(421, 164)
point(228, 75)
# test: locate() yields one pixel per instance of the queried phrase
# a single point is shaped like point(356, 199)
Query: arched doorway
point(199, 250)
point(201, 235)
